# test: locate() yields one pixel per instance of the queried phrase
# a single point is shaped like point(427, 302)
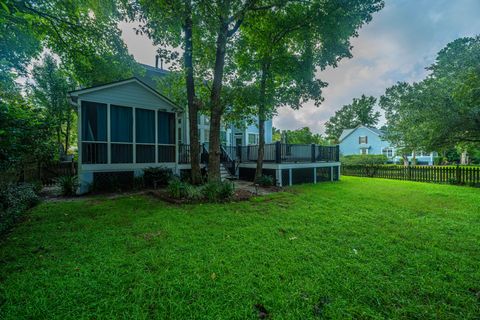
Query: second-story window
point(362, 140)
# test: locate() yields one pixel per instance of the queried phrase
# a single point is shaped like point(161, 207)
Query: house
point(128, 125)
point(368, 140)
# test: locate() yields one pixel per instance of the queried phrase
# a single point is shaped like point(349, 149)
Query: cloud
point(397, 45)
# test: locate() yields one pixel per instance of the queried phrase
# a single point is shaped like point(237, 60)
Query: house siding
point(129, 94)
point(350, 145)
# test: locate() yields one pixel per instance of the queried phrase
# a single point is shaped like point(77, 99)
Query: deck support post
point(278, 152)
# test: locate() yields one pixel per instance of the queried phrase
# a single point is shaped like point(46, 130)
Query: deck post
point(313, 152)
point(278, 152)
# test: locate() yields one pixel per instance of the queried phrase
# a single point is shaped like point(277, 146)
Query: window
point(94, 132)
point(145, 135)
point(362, 140)
point(387, 152)
point(252, 138)
point(363, 150)
point(121, 134)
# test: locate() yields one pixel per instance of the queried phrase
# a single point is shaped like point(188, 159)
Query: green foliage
point(359, 112)
point(218, 191)
point(349, 234)
point(363, 159)
point(24, 134)
point(157, 176)
point(265, 181)
point(14, 201)
point(176, 188)
point(84, 34)
point(68, 185)
point(444, 108)
point(49, 91)
point(299, 136)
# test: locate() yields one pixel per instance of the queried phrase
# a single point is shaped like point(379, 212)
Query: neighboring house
point(368, 140)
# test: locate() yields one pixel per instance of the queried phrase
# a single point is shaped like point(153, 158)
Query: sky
point(400, 41)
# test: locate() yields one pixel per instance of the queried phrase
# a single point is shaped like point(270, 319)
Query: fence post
point(278, 152)
point(457, 174)
point(313, 146)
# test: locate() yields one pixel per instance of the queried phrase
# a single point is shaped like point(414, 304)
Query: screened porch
point(115, 134)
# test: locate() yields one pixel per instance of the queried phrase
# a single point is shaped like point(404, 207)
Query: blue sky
point(396, 45)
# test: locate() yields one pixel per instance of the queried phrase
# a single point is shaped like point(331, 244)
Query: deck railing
point(273, 153)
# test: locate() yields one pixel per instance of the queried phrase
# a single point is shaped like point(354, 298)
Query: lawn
point(358, 248)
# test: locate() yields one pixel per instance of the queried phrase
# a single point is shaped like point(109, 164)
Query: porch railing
point(273, 153)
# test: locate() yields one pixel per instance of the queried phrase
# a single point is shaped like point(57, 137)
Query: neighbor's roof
point(347, 132)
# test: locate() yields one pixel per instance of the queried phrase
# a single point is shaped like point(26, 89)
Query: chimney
point(156, 61)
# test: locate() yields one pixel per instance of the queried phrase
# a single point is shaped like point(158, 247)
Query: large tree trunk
point(261, 122)
point(216, 107)
point(196, 175)
point(405, 160)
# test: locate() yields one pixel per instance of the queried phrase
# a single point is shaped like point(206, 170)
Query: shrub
point(218, 191)
point(265, 181)
point(363, 159)
point(68, 185)
point(157, 176)
point(176, 188)
point(193, 193)
point(14, 201)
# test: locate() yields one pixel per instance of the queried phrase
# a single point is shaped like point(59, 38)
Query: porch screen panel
point(166, 137)
point(121, 124)
point(121, 134)
point(145, 125)
point(94, 132)
point(94, 121)
point(145, 135)
point(166, 128)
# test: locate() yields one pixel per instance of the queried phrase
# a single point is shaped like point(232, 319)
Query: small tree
point(49, 90)
point(359, 112)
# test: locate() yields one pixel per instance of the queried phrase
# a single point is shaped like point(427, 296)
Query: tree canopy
point(443, 110)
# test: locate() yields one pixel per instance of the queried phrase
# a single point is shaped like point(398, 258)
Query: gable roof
point(347, 132)
point(76, 93)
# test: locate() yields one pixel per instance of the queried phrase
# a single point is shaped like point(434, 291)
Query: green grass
point(359, 248)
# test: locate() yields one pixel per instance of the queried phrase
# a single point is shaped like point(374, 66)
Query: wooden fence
point(436, 174)
point(45, 173)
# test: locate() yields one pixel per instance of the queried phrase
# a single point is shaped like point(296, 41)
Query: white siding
point(130, 94)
